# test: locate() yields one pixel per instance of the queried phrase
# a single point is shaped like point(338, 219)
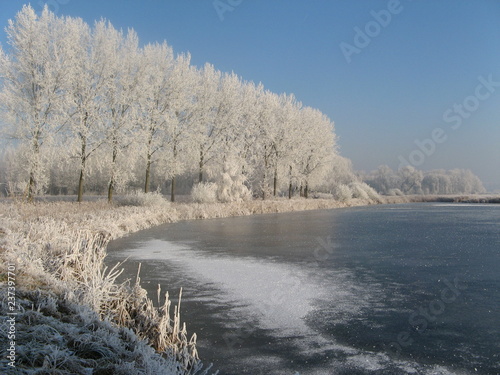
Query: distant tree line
point(409, 180)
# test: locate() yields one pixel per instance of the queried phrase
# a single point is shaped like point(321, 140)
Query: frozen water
point(256, 281)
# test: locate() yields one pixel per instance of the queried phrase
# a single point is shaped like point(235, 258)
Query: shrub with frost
point(231, 184)
point(372, 194)
point(342, 193)
point(358, 191)
point(204, 192)
point(395, 192)
point(141, 199)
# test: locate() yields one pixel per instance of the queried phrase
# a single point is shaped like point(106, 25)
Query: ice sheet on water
point(489, 205)
point(277, 296)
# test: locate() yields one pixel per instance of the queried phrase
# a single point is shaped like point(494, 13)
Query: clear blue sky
point(393, 92)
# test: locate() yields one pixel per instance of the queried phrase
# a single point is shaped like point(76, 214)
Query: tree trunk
point(172, 190)
point(275, 182)
point(31, 188)
point(264, 185)
point(172, 186)
point(148, 158)
point(200, 173)
point(112, 179)
point(306, 191)
point(290, 184)
point(301, 191)
point(264, 179)
point(148, 173)
point(34, 167)
point(80, 186)
point(110, 191)
point(82, 170)
point(83, 158)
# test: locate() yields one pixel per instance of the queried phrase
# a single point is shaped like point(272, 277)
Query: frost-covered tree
point(218, 119)
point(13, 171)
point(339, 172)
point(285, 138)
point(383, 179)
point(464, 181)
point(32, 96)
point(317, 147)
point(88, 103)
point(89, 67)
point(179, 146)
point(208, 130)
point(411, 180)
point(242, 137)
point(121, 88)
point(431, 184)
point(408, 180)
point(231, 160)
point(157, 93)
point(265, 122)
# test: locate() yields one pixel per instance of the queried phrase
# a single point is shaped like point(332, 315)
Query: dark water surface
point(392, 289)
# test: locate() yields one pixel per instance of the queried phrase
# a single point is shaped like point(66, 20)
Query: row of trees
point(409, 180)
point(89, 103)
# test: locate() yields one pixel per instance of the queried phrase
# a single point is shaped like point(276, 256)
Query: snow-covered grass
point(59, 249)
point(55, 336)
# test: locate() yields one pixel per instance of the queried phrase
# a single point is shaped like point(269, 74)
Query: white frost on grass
point(59, 248)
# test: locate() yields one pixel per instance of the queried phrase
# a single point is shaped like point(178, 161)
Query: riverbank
point(71, 311)
point(72, 316)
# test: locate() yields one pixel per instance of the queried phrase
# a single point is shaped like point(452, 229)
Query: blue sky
point(423, 64)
